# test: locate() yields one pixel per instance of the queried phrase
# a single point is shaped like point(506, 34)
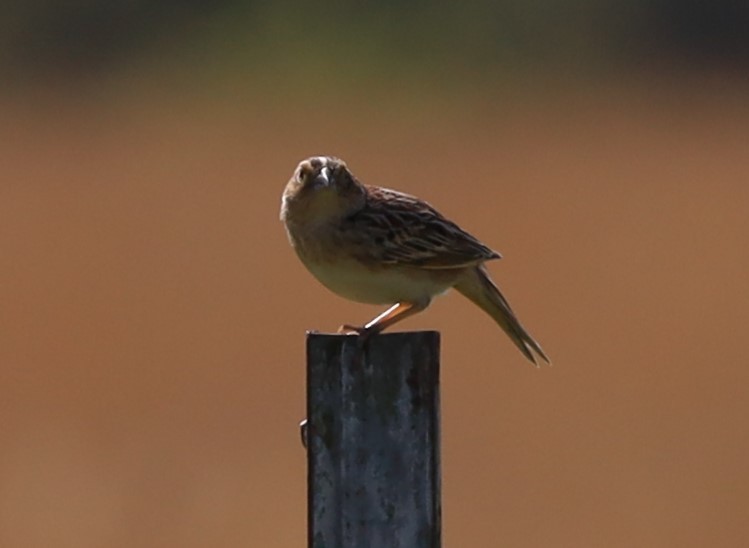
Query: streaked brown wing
point(395, 228)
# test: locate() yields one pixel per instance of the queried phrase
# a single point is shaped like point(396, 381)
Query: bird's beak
point(323, 178)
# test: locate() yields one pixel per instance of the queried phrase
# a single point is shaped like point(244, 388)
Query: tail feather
point(481, 290)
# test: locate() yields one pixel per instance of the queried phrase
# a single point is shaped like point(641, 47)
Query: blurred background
point(152, 314)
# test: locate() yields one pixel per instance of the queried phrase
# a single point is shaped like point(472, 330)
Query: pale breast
point(357, 282)
point(325, 255)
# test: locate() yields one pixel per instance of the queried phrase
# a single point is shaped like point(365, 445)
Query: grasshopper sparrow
point(379, 246)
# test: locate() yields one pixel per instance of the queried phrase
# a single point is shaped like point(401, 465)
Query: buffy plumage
point(379, 246)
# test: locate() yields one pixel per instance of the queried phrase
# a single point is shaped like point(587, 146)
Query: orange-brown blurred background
point(152, 314)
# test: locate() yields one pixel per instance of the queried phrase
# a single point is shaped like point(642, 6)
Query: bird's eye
point(302, 175)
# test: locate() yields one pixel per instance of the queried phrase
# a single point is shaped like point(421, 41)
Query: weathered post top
point(373, 441)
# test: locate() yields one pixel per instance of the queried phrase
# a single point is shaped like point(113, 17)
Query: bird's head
point(321, 189)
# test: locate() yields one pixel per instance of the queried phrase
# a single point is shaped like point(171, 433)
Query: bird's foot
point(347, 329)
point(364, 332)
point(363, 335)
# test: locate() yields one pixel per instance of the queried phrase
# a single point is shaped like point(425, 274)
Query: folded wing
point(398, 229)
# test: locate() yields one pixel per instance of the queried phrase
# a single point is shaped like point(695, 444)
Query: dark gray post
point(373, 441)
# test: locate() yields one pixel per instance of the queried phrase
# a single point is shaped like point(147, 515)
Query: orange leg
point(392, 315)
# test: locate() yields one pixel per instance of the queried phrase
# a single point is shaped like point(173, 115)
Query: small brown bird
point(379, 246)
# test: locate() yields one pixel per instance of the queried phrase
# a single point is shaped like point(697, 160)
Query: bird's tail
point(479, 288)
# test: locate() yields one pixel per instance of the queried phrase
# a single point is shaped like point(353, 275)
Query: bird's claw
point(347, 329)
point(304, 432)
